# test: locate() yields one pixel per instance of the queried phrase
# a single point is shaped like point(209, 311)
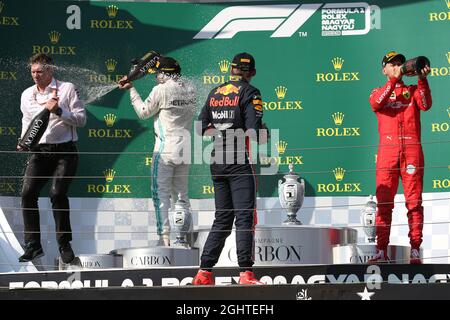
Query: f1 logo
point(285, 19)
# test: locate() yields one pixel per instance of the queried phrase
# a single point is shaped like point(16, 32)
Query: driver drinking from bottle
point(397, 107)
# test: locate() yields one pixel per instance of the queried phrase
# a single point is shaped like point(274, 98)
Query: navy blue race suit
point(235, 105)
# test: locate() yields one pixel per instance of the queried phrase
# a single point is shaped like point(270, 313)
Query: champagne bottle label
point(143, 65)
point(35, 130)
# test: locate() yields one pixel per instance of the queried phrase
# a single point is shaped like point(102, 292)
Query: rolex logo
point(109, 175)
point(114, 133)
point(338, 118)
point(447, 2)
point(443, 126)
point(107, 187)
point(281, 92)
point(281, 146)
point(54, 36)
point(7, 21)
point(337, 63)
point(111, 22)
point(339, 186)
point(337, 75)
point(112, 11)
point(111, 65)
point(442, 71)
point(339, 173)
point(110, 119)
point(224, 65)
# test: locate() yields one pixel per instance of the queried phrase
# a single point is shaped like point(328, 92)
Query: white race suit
point(172, 104)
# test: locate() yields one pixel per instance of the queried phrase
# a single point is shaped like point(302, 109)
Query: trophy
point(291, 194)
point(413, 66)
point(368, 219)
point(181, 220)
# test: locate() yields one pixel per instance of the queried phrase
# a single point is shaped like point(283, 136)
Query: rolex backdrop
point(317, 63)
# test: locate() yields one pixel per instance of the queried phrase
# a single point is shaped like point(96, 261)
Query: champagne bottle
point(35, 130)
point(413, 66)
point(143, 65)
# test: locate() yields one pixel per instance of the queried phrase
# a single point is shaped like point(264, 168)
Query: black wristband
point(59, 112)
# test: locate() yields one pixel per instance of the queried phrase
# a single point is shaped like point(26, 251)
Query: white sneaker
point(164, 240)
point(379, 257)
point(415, 257)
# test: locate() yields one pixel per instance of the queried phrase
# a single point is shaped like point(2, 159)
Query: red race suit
point(397, 107)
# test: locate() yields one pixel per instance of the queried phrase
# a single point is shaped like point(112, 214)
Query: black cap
point(168, 65)
point(391, 55)
point(244, 61)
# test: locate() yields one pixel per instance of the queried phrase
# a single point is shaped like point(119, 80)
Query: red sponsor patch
point(224, 102)
point(228, 89)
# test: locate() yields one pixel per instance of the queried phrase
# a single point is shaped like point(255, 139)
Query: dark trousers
point(235, 199)
point(47, 165)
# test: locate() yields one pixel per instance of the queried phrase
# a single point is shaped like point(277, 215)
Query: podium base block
point(159, 256)
point(285, 244)
point(90, 262)
point(361, 253)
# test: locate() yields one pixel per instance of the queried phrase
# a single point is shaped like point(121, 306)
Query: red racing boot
point(248, 277)
point(203, 278)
